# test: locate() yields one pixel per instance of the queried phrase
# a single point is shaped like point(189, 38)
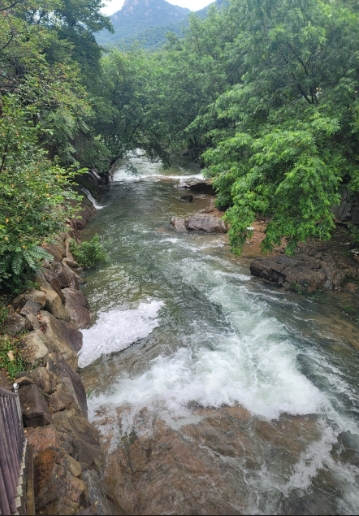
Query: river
point(214, 393)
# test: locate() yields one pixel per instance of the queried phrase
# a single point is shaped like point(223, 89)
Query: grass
point(10, 356)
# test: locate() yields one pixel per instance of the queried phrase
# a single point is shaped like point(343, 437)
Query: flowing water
point(214, 393)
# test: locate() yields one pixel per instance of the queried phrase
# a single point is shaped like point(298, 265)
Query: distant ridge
point(146, 21)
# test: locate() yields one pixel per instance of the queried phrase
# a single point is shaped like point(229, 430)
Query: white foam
point(92, 199)
point(118, 329)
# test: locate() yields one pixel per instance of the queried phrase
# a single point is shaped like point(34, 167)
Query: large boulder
point(206, 222)
point(35, 348)
point(70, 383)
point(64, 337)
point(301, 272)
point(34, 408)
point(76, 307)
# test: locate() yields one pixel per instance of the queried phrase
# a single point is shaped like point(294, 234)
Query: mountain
point(137, 16)
point(147, 22)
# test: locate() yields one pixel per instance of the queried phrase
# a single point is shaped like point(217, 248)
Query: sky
point(195, 5)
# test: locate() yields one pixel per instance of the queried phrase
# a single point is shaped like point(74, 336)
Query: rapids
point(214, 393)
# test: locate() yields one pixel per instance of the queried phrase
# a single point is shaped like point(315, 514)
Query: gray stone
point(178, 223)
point(34, 348)
point(14, 324)
point(76, 308)
point(44, 379)
point(33, 406)
point(205, 222)
point(300, 272)
point(66, 339)
point(71, 381)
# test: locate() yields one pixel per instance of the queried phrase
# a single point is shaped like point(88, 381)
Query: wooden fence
point(14, 457)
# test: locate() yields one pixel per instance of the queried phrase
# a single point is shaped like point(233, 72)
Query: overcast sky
point(115, 5)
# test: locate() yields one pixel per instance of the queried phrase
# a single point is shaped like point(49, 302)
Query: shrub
point(90, 253)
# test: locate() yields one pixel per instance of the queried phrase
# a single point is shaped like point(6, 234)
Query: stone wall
point(68, 459)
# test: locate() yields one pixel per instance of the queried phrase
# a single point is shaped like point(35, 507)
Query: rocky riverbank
point(68, 458)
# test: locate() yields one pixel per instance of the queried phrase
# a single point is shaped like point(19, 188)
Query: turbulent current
point(213, 392)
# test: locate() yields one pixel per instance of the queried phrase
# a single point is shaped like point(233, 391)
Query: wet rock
point(80, 439)
point(65, 337)
point(77, 308)
point(14, 324)
point(71, 381)
point(57, 490)
point(205, 222)
point(33, 406)
point(44, 378)
point(34, 348)
point(178, 223)
point(96, 496)
point(203, 187)
point(187, 198)
point(300, 272)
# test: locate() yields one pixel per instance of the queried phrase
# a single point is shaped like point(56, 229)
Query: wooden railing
point(13, 455)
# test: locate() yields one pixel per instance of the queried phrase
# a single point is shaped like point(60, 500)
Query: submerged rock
point(300, 272)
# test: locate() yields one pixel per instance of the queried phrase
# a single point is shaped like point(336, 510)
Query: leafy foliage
point(33, 195)
point(89, 254)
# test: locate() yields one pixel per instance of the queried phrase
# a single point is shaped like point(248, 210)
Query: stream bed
point(214, 393)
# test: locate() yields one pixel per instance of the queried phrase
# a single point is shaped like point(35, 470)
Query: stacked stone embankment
point(68, 459)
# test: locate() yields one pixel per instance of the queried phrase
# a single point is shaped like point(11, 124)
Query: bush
point(88, 254)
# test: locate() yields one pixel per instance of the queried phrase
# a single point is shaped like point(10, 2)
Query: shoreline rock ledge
point(300, 272)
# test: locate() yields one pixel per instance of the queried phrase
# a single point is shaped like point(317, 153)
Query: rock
point(74, 279)
point(54, 305)
point(40, 438)
point(37, 296)
point(178, 223)
point(30, 311)
point(64, 337)
point(14, 324)
point(205, 222)
point(33, 406)
point(300, 272)
point(203, 188)
point(60, 399)
point(96, 496)
point(57, 490)
point(71, 382)
point(53, 281)
point(76, 308)
point(355, 216)
point(187, 198)
point(80, 439)
point(34, 348)
point(44, 378)
point(56, 248)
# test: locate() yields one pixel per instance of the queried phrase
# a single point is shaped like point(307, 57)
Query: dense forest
point(264, 94)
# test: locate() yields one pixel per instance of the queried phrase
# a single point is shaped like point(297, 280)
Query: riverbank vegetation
point(264, 94)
